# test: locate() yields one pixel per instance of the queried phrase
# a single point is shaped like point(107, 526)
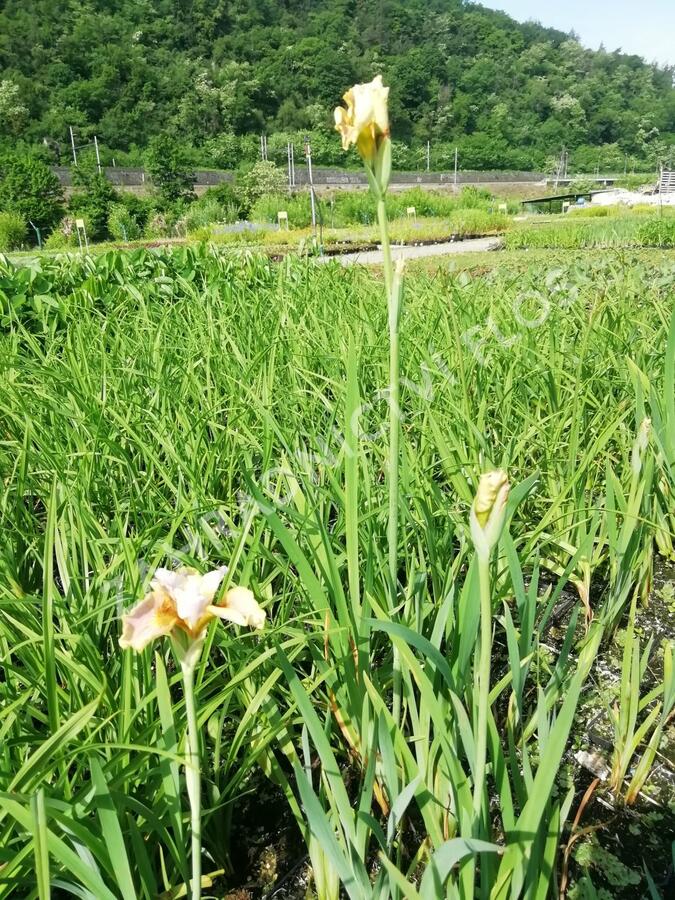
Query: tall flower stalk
point(193, 778)
point(365, 123)
point(487, 520)
point(180, 605)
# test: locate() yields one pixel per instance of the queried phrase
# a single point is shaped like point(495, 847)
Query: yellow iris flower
point(365, 121)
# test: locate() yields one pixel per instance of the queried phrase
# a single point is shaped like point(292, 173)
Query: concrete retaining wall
point(123, 177)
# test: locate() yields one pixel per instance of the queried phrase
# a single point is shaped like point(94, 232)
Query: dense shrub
point(140, 209)
point(298, 207)
point(633, 181)
point(225, 193)
point(168, 222)
point(657, 232)
point(157, 226)
point(345, 208)
point(29, 188)
point(122, 226)
point(207, 211)
point(93, 198)
point(60, 240)
point(227, 197)
point(582, 185)
point(352, 208)
point(261, 179)
point(222, 151)
point(13, 231)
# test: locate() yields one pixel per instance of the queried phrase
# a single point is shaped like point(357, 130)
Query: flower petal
point(191, 603)
point(211, 582)
point(190, 592)
point(166, 578)
point(240, 606)
point(153, 617)
point(231, 615)
point(343, 125)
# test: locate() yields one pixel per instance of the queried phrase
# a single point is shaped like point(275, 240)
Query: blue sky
point(646, 27)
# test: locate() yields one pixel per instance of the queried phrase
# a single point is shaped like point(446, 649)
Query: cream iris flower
point(183, 600)
point(488, 510)
point(491, 485)
point(365, 121)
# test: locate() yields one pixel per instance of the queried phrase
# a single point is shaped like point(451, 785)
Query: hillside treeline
point(220, 72)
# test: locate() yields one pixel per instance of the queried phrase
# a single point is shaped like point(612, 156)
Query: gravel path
point(374, 257)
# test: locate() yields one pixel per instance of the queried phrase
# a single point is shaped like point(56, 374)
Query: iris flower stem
point(192, 779)
point(386, 247)
point(484, 658)
point(393, 290)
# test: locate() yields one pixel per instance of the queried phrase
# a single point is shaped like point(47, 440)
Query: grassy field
point(205, 409)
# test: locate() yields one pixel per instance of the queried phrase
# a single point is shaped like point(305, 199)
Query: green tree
point(198, 69)
point(170, 169)
point(29, 188)
point(262, 179)
point(13, 113)
point(223, 151)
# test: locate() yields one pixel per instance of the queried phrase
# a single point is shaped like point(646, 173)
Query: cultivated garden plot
point(336, 583)
point(162, 389)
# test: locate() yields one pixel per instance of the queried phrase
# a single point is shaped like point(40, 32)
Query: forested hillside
point(210, 71)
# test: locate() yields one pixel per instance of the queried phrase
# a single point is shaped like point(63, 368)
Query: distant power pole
point(72, 144)
point(263, 147)
point(428, 155)
point(561, 168)
point(75, 148)
point(290, 153)
point(308, 154)
point(456, 158)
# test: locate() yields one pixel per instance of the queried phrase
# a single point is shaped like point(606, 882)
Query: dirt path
point(374, 257)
